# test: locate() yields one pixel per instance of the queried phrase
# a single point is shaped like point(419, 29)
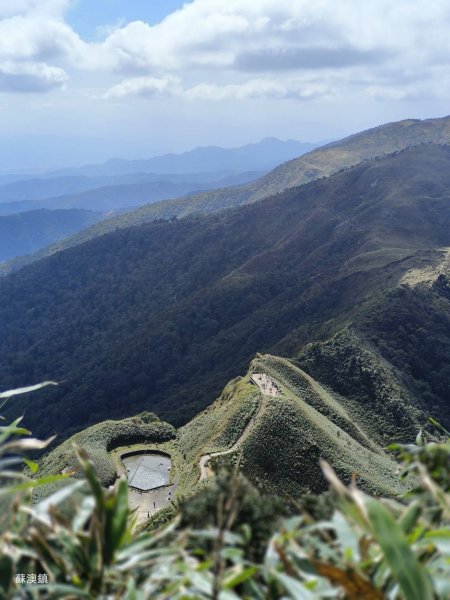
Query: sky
point(84, 80)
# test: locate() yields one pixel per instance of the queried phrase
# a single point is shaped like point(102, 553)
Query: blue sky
point(87, 17)
point(84, 80)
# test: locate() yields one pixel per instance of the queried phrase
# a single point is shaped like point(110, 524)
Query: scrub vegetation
point(227, 541)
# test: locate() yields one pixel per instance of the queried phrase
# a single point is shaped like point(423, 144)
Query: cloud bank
point(221, 49)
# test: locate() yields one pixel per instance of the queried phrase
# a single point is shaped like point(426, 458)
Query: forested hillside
point(142, 189)
point(30, 231)
point(159, 317)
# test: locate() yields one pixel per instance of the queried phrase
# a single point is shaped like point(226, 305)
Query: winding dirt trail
point(148, 503)
point(268, 387)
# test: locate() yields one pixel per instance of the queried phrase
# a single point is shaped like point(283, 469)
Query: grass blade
point(25, 390)
point(406, 569)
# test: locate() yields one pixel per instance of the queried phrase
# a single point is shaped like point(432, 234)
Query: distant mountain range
point(27, 226)
point(121, 185)
point(321, 162)
point(199, 166)
point(39, 190)
point(118, 196)
point(260, 156)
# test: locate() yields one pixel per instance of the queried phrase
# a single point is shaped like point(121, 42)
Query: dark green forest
point(27, 232)
point(159, 317)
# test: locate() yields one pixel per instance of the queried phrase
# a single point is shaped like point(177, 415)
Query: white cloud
point(218, 46)
point(153, 87)
point(294, 34)
point(222, 49)
point(34, 40)
point(27, 78)
point(11, 8)
point(254, 89)
point(37, 38)
point(148, 87)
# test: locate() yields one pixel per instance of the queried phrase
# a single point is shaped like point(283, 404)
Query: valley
point(40, 211)
point(180, 308)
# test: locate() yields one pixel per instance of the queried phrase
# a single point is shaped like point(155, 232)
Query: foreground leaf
point(406, 569)
point(25, 390)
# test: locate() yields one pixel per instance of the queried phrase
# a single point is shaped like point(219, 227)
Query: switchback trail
point(268, 387)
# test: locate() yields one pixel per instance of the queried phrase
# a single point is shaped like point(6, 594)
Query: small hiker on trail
point(154, 504)
point(148, 515)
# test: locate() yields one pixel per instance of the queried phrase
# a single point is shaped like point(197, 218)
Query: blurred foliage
point(255, 517)
point(221, 546)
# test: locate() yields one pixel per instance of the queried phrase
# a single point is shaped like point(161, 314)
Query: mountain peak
point(257, 156)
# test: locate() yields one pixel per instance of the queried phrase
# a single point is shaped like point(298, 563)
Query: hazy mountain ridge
point(27, 232)
point(148, 180)
point(259, 156)
point(121, 196)
point(29, 226)
point(45, 188)
point(163, 315)
point(42, 188)
point(321, 162)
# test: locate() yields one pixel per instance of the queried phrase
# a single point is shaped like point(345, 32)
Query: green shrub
point(100, 439)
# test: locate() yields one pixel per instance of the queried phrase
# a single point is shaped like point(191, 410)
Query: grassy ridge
point(304, 424)
point(365, 383)
point(307, 422)
point(219, 426)
point(281, 447)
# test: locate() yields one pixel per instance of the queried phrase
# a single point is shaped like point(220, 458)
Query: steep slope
point(312, 166)
point(119, 195)
point(27, 232)
point(290, 431)
point(163, 315)
point(277, 420)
